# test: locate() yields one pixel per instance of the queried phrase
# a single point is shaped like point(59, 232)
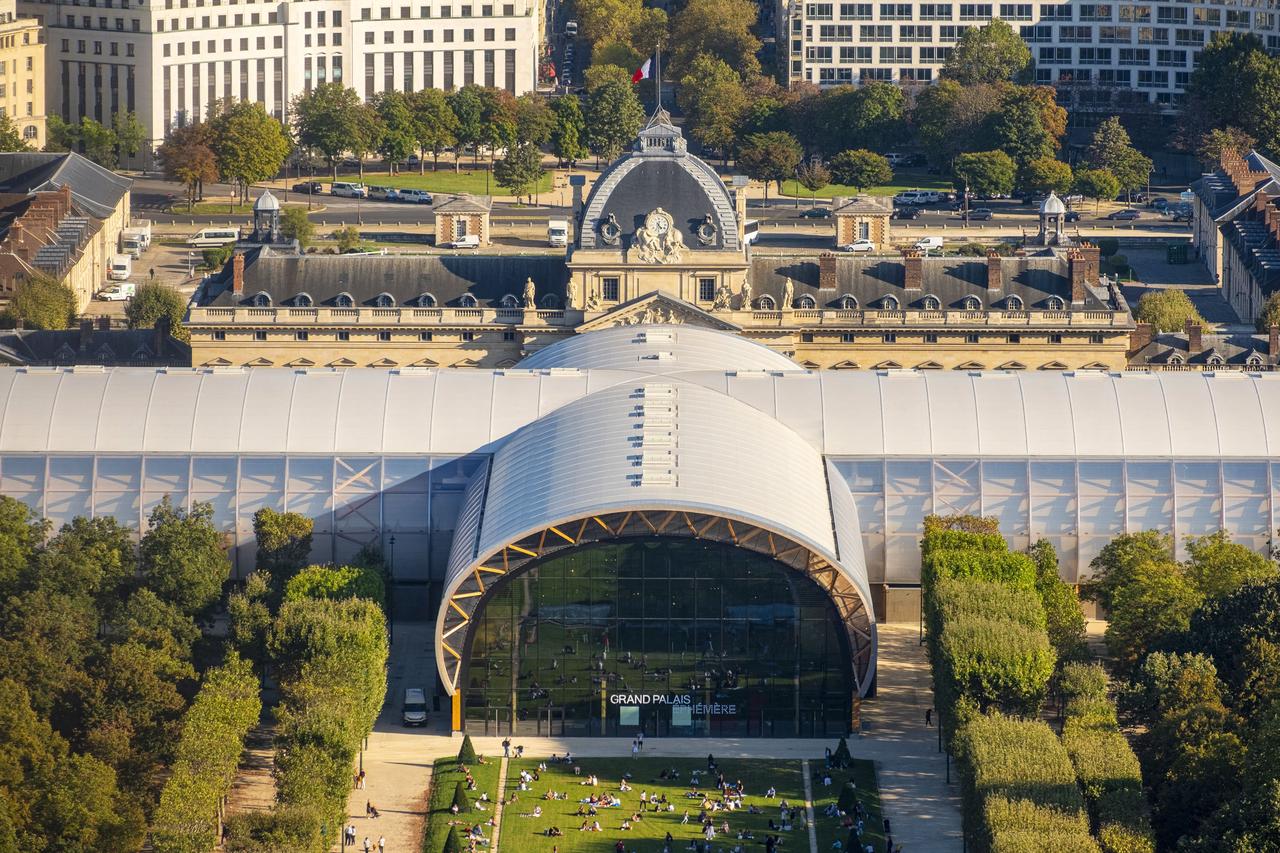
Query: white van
point(348, 190)
point(120, 267)
point(750, 232)
point(414, 710)
point(210, 238)
point(558, 232)
point(466, 241)
point(118, 292)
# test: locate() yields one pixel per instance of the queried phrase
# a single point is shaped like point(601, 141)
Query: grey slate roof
point(107, 347)
point(283, 275)
point(1032, 279)
point(1219, 193)
point(465, 204)
point(94, 189)
point(1234, 350)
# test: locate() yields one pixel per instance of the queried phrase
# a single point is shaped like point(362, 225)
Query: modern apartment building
point(22, 73)
point(1099, 53)
point(168, 60)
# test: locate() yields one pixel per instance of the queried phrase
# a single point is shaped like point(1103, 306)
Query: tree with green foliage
point(461, 802)
point(98, 142)
point(1018, 128)
point(871, 115)
point(613, 118)
point(769, 157)
point(1064, 619)
point(129, 134)
point(348, 239)
point(453, 843)
point(21, 533)
point(1269, 315)
point(568, 136)
point(10, 138)
point(399, 131)
point(369, 131)
point(1155, 602)
point(841, 757)
point(848, 800)
point(1169, 310)
point(435, 125)
point(1111, 149)
point(713, 99)
point(1214, 143)
point(181, 558)
point(467, 106)
point(985, 172)
point(1225, 626)
point(1235, 84)
point(337, 582)
point(466, 752)
point(249, 617)
point(1097, 184)
point(284, 542)
point(1217, 566)
point(326, 120)
point(994, 53)
point(60, 135)
point(249, 144)
point(716, 28)
point(497, 121)
point(860, 168)
point(949, 119)
point(187, 157)
point(813, 175)
point(295, 224)
point(535, 120)
point(520, 171)
point(1117, 561)
point(1047, 174)
point(605, 22)
point(153, 300)
point(42, 302)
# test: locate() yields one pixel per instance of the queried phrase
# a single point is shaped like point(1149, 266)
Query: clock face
point(661, 225)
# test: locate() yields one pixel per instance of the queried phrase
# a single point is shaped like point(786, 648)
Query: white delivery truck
point(120, 267)
point(558, 232)
point(118, 292)
point(136, 239)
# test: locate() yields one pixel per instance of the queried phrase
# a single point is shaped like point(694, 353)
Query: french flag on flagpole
point(644, 72)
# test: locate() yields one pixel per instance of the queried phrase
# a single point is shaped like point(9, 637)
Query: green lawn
point(443, 181)
point(863, 774)
point(208, 206)
point(445, 776)
point(901, 181)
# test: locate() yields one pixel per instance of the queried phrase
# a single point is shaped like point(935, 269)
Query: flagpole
point(657, 77)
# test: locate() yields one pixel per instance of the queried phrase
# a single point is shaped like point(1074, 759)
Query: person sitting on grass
point(537, 811)
point(586, 826)
point(626, 825)
point(771, 793)
point(623, 786)
point(554, 832)
point(637, 816)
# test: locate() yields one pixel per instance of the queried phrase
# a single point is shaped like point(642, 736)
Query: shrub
point(217, 257)
point(972, 250)
point(460, 799)
point(952, 599)
point(998, 664)
point(467, 752)
point(453, 844)
point(153, 300)
point(848, 798)
point(1016, 570)
point(1083, 681)
point(270, 832)
point(934, 524)
point(337, 582)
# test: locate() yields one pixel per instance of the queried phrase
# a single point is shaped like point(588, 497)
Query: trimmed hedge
point(995, 663)
point(208, 753)
point(1009, 568)
point(1018, 789)
point(953, 598)
point(337, 582)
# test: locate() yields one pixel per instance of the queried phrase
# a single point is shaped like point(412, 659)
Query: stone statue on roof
point(530, 293)
point(571, 294)
point(746, 296)
point(788, 294)
point(724, 298)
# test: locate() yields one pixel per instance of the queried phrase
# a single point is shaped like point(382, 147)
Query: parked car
point(858, 246)
point(384, 193)
point(1072, 216)
point(909, 211)
point(895, 159)
point(1074, 198)
point(978, 214)
point(466, 241)
point(348, 190)
point(926, 244)
point(571, 28)
point(308, 187)
point(816, 213)
point(413, 711)
point(118, 292)
point(1181, 216)
point(1160, 203)
point(1126, 215)
point(415, 196)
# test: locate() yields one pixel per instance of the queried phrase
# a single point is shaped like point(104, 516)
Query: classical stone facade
point(660, 240)
point(862, 218)
point(461, 216)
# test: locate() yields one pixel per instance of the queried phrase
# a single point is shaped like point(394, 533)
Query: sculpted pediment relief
point(657, 308)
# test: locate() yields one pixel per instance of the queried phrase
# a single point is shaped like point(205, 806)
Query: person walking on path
point(928, 717)
point(640, 739)
point(367, 846)
point(506, 748)
point(382, 844)
point(635, 748)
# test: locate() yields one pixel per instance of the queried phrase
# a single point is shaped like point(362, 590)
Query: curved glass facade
point(672, 636)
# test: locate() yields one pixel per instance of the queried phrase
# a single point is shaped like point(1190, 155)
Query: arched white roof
point(266, 202)
point(662, 348)
point(1052, 205)
point(844, 413)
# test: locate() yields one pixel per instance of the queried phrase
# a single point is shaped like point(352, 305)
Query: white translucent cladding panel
point(1241, 431)
point(515, 394)
point(798, 397)
point(953, 412)
point(1096, 414)
point(1149, 502)
point(21, 474)
point(171, 415)
point(1002, 424)
point(264, 425)
point(408, 413)
point(1193, 428)
point(844, 516)
point(262, 474)
point(1246, 501)
point(1143, 416)
point(1102, 506)
point(122, 419)
point(214, 474)
point(317, 506)
point(313, 412)
point(905, 408)
point(559, 389)
point(756, 389)
point(1049, 424)
point(124, 507)
point(118, 474)
point(464, 401)
point(362, 411)
point(851, 416)
point(1005, 495)
point(219, 409)
point(79, 407)
point(310, 474)
point(70, 474)
point(1268, 388)
point(1198, 498)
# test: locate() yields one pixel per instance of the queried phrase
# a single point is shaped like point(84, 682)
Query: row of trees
point(104, 144)
point(98, 638)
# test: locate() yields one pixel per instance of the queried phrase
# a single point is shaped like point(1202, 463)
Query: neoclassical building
point(660, 238)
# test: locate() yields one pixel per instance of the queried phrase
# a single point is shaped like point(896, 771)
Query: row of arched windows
point(262, 299)
point(1012, 302)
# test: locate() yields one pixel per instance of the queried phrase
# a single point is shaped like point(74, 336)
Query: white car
point(859, 246)
point(466, 241)
point(926, 244)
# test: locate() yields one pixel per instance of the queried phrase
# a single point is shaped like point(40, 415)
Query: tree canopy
point(42, 302)
point(770, 157)
point(859, 168)
point(1169, 310)
point(992, 53)
point(153, 300)
point(326, 120)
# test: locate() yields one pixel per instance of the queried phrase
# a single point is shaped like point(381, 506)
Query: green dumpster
point(1177, 253)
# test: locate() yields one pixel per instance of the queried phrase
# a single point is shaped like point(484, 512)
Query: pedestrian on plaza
point(928, 717)
point(382, 844)
point(635, 748)
point(367, 846)
point(640, 739)
point(360, 780)
point(711, 762)
point(368, 808)
point(886, 826)
point(506, 748)
point(351, 834)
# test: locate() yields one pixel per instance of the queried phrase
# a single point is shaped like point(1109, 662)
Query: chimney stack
point(237, 274)
point(1077, 268)
point(1274, 343)
point(86, 334)
point(1141, 336)
point(995, 272)
point(1195, 338)
point(827, 279)
point(160, 340)
point(913, 265)
point(104, 324)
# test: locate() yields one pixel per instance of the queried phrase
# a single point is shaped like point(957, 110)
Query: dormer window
point(261, 300)
point(1013, 302)
point(890, 303)
point(1175, 359)
point(848, 303)
point(468, 301)
point(766, 303)
point(971, 303)
point(1215, 360)
point(303, 300)
point(931, 303)
point(426, 300)
point(806, 301)
point(1255, 360)
point(384, 300)
point(1055, 303)
point(509, 301)
point(343, 300)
